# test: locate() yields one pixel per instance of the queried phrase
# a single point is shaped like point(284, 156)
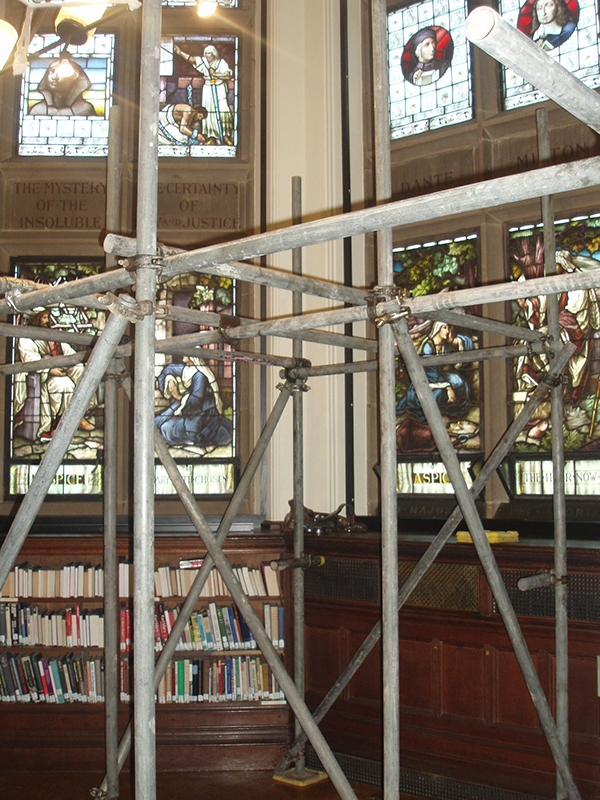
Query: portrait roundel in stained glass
point(66, 95)
point(567, 30)
point(198, 96)
point(548, 22)
point(429, 67)
point(427, 56)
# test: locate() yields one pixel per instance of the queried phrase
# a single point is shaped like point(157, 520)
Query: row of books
point(214, 628)
point(70, 580)
point(86, 580)
point(25, 625)
point(35, 679)
point(234, 678)
point(177, 581)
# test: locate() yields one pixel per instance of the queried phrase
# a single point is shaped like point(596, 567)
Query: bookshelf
point(218, 704)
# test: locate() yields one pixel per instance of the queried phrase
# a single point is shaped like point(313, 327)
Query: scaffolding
point(148, 262)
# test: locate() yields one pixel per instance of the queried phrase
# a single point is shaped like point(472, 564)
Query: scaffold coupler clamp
point(554, 380)
point(11, 297)
point(132, 265)
point(539, 580)
point(126, 306)
point(384, 294)
point(302, 562)
point(295, 382)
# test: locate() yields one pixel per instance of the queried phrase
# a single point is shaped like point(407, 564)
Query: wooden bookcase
point(466, 716)
point(245, 734)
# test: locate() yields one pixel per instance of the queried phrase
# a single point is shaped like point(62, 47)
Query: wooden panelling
point(465, 711)
point(418, 676)
point(365, 685)
point(584, 703)
point(462, 682)
point(511, 701)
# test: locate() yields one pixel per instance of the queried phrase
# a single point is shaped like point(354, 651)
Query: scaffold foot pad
point(310, 777)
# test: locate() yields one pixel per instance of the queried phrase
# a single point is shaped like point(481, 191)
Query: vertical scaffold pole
point(111, 603)
point(298, 459)
point(558, 472)
point(387, 416)
point(143, 410)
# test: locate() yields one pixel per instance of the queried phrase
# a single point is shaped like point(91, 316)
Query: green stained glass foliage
point(195, 391)
point(39, 398)
point(431, 268)
point(577, 250)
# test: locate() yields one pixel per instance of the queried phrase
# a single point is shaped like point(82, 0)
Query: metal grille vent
point(449, 586)
point(583, 597)
point(344, 579)
point(421, 784)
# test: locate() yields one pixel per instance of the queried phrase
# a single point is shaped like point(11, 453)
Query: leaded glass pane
point(198, 96)
point(566, 29)
point(66, 98)
point(195, 395)
point(577, 250)
point(429, 63)
point(39, 399)
point(430, 268)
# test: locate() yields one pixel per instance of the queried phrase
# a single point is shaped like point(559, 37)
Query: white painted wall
point(304, 139)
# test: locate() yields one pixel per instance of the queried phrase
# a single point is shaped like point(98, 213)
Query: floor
point(16, 785)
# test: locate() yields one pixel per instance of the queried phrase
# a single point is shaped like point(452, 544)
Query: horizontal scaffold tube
point(416, 307)
point(492, 193)
point(278, 279)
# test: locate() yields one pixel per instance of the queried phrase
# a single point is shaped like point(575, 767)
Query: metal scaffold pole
point(387, 421)
point(111, 601)
point(143, 409)
point(298, 459)
point(558, 474)
point(111, 449)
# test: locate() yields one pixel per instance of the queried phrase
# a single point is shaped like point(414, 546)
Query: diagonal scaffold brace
point(483, 548)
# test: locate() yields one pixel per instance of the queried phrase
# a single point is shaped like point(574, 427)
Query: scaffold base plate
point(310, 777)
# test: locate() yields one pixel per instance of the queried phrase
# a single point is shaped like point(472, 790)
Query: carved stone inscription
point(422, 176)
point(199, 206)
point(57, 205)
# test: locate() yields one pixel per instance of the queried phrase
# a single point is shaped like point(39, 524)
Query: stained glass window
point(39, 399)
point(65, 98)
point(195, 394)
point(429, 268)
point(429, 61)
point(198, 96)
point(577, 250)
point(566, 29)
